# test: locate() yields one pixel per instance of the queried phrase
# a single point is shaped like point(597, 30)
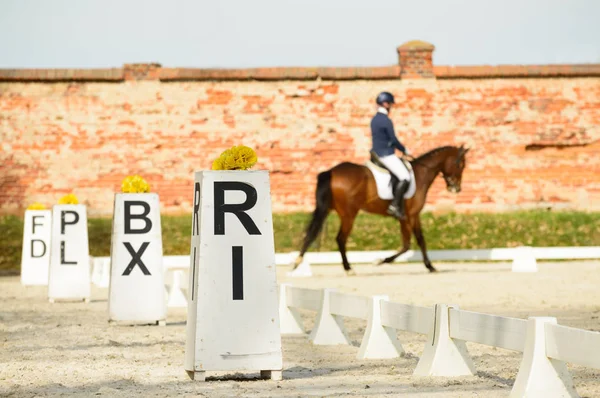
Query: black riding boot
point(396, 208)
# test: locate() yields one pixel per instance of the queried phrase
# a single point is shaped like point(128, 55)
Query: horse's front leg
point(405, 229)
point(421, 241)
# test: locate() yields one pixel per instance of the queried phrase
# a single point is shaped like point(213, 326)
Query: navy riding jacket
point(383, 136)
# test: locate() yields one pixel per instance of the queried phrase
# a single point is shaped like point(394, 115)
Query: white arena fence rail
point(176, 270)
point(546, 346)
point(523, 260)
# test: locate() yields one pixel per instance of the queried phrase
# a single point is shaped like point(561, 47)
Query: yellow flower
point(36, 206)
point(236, 158)
point(69, 199)
point(135, 184)
point(217, 164)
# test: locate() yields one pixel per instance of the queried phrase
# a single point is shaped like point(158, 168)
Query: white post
point(442, 355)
point(289, 318)
point(379, 341)
point(524, 260)
point(540, 376)
point(69, 276)
point(232, 318)
point(329, 328)
point(136, 289)
point(176, 297)
point(35, 254)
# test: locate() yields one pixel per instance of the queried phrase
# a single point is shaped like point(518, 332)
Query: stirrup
point(395, 211)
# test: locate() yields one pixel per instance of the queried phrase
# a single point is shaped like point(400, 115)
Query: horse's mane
point(434, 151)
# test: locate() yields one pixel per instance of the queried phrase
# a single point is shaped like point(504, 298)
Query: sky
point(270, 33)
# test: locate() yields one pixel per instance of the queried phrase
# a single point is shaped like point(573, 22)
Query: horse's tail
point(319, 215)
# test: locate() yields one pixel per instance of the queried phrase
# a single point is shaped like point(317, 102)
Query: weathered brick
point(534, 139)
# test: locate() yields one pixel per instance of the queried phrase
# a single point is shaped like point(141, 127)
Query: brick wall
point(534, 130)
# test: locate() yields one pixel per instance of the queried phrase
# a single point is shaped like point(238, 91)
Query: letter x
point(136, 258)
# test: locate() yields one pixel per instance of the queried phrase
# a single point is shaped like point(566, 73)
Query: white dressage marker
point(69, 276)
point(136, 290)
point(35, 257)
point(233, 320)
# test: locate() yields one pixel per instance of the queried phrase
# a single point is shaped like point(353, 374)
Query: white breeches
point(393, 163)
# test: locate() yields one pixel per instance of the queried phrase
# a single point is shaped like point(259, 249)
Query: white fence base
point(545, 345)
point(302, 271)
point(290, 321)
point(329, 329)
point(524, 260)
point(379, 342)
point(100, 271)
point(540, 376)
point(176, 297)
point(442, 355)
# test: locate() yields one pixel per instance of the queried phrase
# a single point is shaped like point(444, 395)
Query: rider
point(384, 144)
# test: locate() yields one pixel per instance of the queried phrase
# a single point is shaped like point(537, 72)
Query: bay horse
point(348, 188)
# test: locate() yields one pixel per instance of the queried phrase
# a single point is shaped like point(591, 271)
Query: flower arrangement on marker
point(135, 184)
point(69, 199)
point(236, 158)
point(36, 206)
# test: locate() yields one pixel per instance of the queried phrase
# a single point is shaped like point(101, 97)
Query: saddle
point(386, 180)
point(375, 160)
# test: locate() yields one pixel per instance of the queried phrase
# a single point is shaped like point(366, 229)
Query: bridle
point(450, 181)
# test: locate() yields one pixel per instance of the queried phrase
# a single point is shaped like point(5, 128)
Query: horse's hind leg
point(405, 229)
point(347, 221)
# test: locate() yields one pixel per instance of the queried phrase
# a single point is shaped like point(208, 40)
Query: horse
point(348, 188)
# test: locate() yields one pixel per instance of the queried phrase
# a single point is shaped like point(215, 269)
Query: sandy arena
point(68, 349)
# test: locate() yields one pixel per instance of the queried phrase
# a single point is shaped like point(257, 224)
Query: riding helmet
point(385, 97)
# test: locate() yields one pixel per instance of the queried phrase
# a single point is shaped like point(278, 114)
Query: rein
point(420, 162)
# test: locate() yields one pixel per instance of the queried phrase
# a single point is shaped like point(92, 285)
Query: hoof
point(298, 261)
point(379, 262)
point(350, 272)
point(432, 269)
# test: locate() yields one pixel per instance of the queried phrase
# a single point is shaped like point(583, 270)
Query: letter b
point(128, 217)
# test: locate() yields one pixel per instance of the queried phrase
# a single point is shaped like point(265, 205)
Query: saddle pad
point(383, 181)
